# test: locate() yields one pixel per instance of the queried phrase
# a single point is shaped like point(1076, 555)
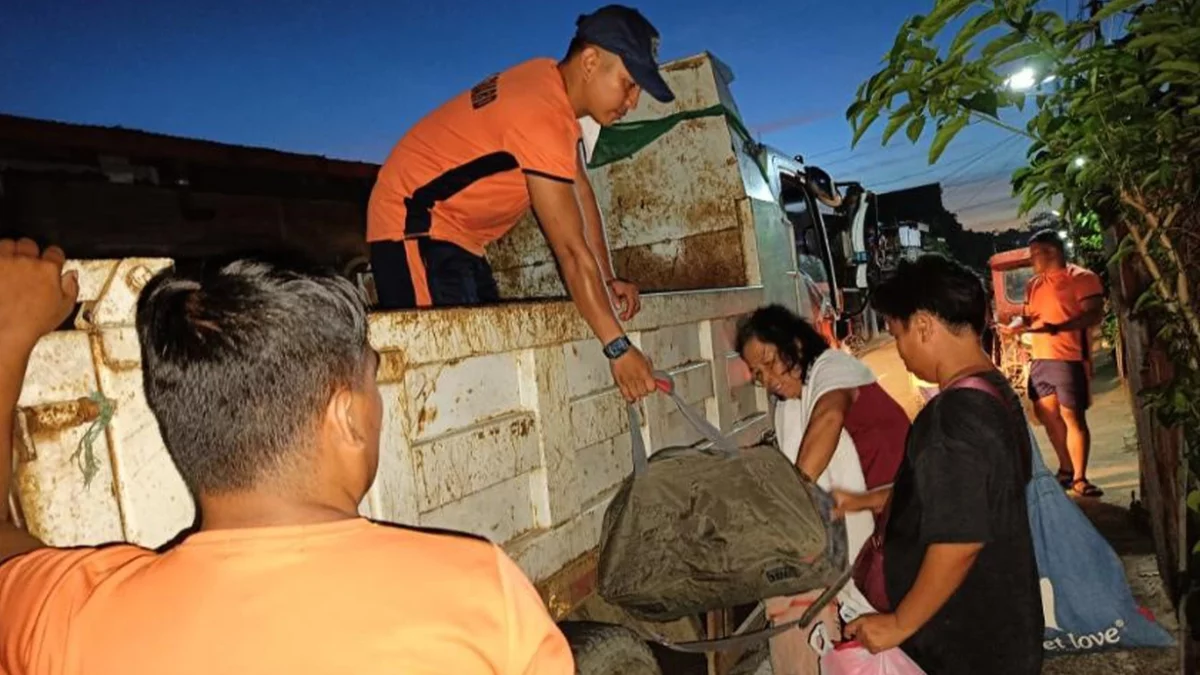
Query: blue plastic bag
point(1085, 597)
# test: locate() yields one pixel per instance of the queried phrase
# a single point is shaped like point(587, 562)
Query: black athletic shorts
point(441, 275)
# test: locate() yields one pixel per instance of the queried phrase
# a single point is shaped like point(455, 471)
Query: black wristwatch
point(617, 348)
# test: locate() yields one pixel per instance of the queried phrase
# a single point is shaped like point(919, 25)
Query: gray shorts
point(1066, 380)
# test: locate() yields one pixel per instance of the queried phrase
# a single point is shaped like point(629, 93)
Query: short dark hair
point(1050, 238)
point(932, 283)
point(240, 360)
point(577, 45)
point(798, 343)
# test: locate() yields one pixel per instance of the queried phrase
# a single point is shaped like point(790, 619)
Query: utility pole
point(1093, 9)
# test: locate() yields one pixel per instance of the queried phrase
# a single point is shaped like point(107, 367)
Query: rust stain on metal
point(709, 260)
point(50, 418)
point(521, 427)
point(689, 63)
point(567, 588)
point(426, 416)
point(138, 277)
point(392, 366)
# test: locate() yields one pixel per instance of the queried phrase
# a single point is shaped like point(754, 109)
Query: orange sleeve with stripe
point(545, 143)
point(1087, 285)
point(535, 645)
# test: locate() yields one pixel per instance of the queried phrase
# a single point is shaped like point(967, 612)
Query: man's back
point(347, 596)
point(459, 174)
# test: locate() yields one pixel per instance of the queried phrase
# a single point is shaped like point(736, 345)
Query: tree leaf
point(896, 121)
point(1017, 52)
point(974, 27)
point(1148, 298)
point(915, 126)
point(945, 133)
point(864, 122)
point(942, 13)
point(1143, 41)
point(1000, 44)
point(1183, 66)
point(1114, 7)
point(1124, 248)
point(985, 102)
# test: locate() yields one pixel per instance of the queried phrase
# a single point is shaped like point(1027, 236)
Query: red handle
point(663, 385)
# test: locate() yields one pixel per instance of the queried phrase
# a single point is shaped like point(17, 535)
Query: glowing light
point(1021, 80)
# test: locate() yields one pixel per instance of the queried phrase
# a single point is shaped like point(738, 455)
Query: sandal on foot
point(1065, 478)
point(1083, 488)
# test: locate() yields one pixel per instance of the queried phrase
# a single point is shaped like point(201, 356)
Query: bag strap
point(1026, 441)
point(748, 639)
point(666, 384)
point(978, 383)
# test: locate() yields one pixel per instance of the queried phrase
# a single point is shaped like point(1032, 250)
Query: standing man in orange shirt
point(466, 173)
point(1062, 303)
point(272, 419)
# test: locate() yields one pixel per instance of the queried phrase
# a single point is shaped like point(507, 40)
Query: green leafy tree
point(1114, 134)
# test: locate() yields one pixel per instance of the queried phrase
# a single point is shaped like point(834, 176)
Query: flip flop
point(1087, 489)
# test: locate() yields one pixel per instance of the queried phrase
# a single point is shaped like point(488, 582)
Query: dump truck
point(500, 420)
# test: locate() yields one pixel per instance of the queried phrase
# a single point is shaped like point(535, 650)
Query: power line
point(970, 160)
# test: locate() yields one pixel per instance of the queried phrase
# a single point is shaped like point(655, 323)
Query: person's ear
point(589, 59)
point(341, 418)
point(924, 325)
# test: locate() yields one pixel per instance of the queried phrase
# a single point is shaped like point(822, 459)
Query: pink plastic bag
point(851, 658)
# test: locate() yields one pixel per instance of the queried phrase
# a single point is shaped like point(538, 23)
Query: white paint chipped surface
point(502, 421)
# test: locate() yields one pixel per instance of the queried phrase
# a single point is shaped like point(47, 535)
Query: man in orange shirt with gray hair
point(464, 175)
point(272, 419)
point(1062, 303)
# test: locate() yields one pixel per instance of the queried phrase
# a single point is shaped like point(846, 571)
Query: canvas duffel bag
point(710, 527)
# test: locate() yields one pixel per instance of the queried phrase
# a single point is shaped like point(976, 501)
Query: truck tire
point(608, 649)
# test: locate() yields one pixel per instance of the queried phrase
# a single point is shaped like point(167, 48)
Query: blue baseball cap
point(626, 33)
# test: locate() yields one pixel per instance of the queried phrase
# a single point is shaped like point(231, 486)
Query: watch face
point(617, 347)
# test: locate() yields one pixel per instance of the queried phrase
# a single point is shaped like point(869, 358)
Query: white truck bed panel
point(501, 421)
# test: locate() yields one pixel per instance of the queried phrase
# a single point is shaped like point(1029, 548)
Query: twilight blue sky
point(346, 79)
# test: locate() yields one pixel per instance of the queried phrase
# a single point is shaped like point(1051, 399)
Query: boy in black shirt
point(958, 557)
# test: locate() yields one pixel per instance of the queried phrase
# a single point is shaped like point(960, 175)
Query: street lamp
point(1022, 80)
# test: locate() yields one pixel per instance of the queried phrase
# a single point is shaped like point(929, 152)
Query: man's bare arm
point(36, 298)
point(943, 570)
point(823, 432)
point(593, 229)
point(556, 206)
point(14, 358)
point(624, 293)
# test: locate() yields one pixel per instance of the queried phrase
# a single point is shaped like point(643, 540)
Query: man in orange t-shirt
point(1062, 303)
point(273, 421)
point(464, 175)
